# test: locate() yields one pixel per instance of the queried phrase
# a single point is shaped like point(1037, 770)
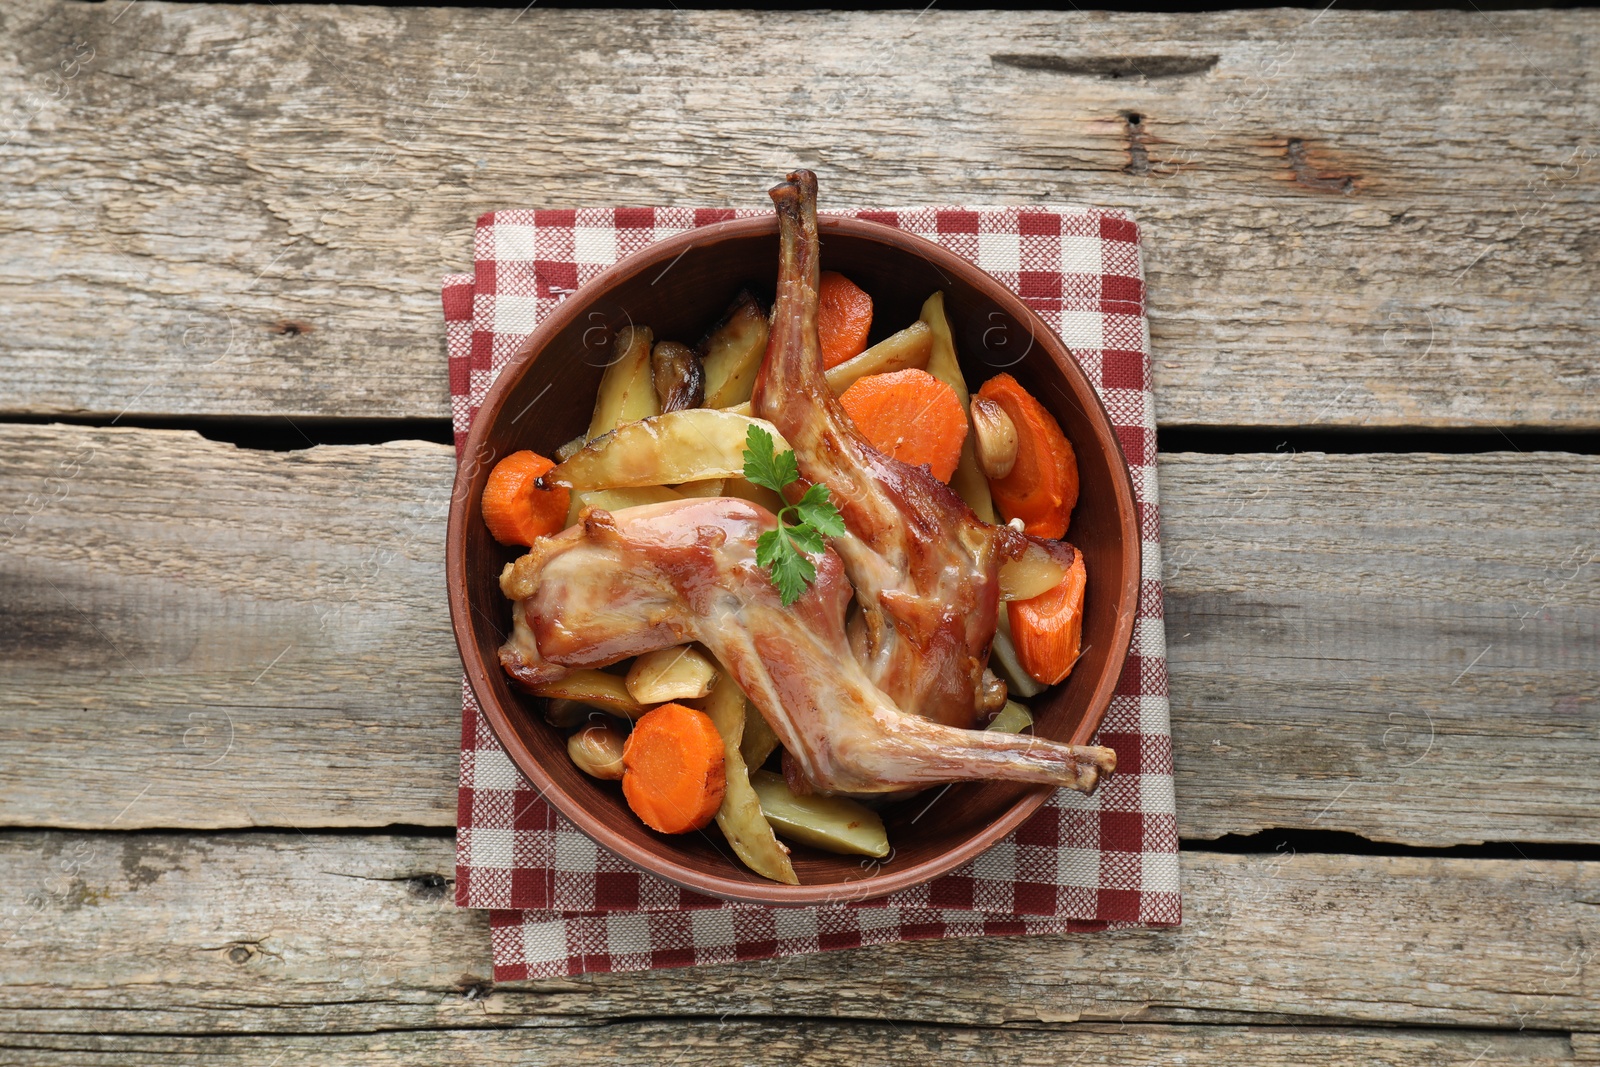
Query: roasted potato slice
point(678, 673)
point(1034, 572)
point(617, 499)
point(627, 389)
point(709, 487)
point(740, 817)
point(1003, 660)
point(905, 350)
point(596, 688)
point(759, 741)
point(910, 348)
point(571, 448)
point(756, 494)
point(968, 480)
point(732, 351)
point(692, 445)
point(833, 824)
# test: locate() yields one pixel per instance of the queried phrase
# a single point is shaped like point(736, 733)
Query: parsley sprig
point(783, 551)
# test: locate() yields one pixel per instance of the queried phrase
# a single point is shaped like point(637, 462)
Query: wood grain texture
point(692, 1043)
point(1390, 644)
point(1352, 218)
point(289, 933)
point(1399, 646)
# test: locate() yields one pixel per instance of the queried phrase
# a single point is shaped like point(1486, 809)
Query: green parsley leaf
point(792, 574)
point(784, 551)
point(791, 571)
point(769, 546)
point(815, 510)
point(762, 466)
point(806, 538)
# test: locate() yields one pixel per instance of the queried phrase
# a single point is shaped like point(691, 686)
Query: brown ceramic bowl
point(679, 287)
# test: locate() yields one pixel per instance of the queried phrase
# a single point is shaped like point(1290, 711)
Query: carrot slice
point(672, 769)
point(844, 316)
point(911, 416)
point(1048, 629)
point(1042, 487)
point(515, 509)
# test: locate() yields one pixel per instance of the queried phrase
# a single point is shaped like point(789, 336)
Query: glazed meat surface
point(650, 577)
point(924, 568)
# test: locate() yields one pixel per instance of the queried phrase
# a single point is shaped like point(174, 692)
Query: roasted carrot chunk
point(673, 772)
point(515, 509)
point(844, 317)
point(1042, 486)
point(911, 416)
point(1047, 629)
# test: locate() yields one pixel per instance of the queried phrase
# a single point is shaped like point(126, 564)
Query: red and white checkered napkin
point(561, 905)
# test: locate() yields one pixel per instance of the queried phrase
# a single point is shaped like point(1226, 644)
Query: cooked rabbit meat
point(662, 574)
point(924, 568)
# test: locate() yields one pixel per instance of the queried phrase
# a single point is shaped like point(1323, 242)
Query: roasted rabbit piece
point(658, 575)
point(924, 568)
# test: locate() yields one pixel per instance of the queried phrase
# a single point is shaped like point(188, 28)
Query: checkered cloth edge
point(561, 905)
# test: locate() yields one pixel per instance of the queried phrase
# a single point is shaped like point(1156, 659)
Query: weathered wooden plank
point(1354, 218)
point(239, 637)
point(289, 933)
point(1390, 644)
point(1399, 646)
point(690, 1043)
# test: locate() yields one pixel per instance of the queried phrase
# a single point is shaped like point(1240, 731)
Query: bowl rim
point(883, 881)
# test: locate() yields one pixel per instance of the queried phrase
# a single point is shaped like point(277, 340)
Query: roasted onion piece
point(680, 377)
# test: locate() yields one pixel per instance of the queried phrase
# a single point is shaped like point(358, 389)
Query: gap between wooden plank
point(1270, 842)
point(695, 1042)
point(296, 933)
point(1353, 218)
point(279, 433)
point(1400, 647)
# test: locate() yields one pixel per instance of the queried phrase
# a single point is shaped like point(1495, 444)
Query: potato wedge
point(833, 824)
point(759, 740)
point(709, 487)
point(681, 446)
point(731, 353)
point(740, 817)
point(756, 494)
point(627, 389)
point(1012, 719)
point(596, 688)
point(1003, 661)
point(617, 499)
point(968, 480)
point(907, 349)
point(910, 348)
point(1030, 574)
point(571, 448)
point(678, 673)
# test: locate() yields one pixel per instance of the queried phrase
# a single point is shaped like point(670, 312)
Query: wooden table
point(230, 691)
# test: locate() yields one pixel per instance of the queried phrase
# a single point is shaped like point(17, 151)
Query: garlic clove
point(597, 750)
point(995, 437)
